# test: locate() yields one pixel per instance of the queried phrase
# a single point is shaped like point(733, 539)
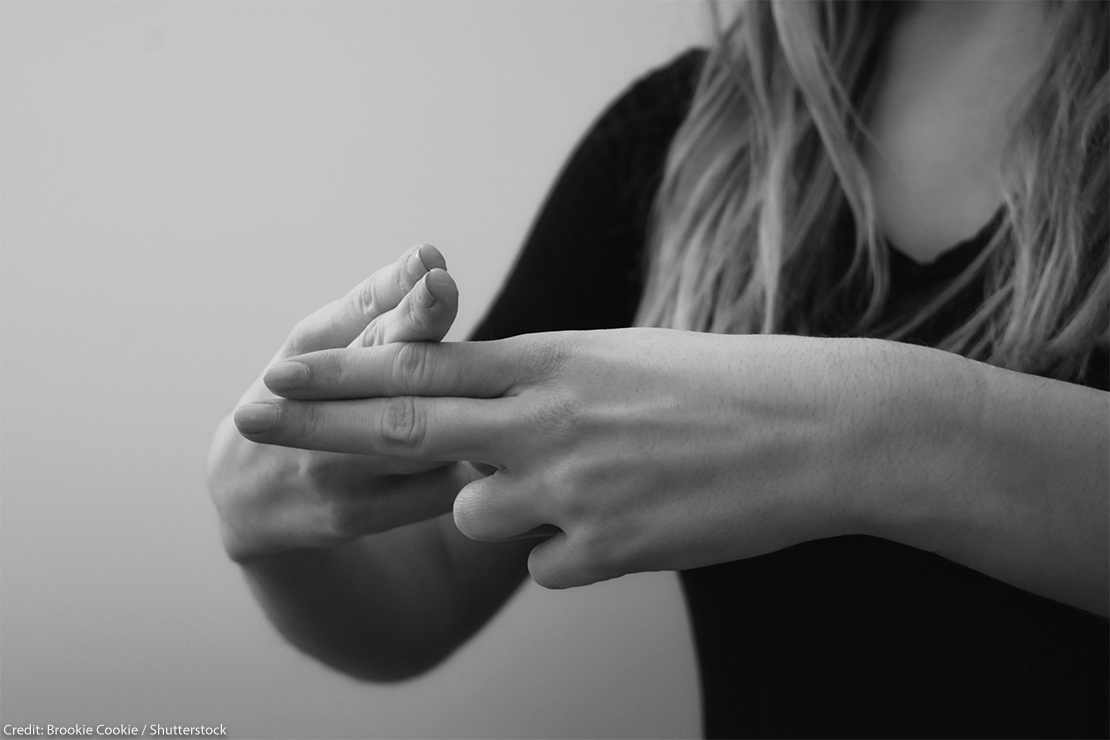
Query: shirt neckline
point(950, 261)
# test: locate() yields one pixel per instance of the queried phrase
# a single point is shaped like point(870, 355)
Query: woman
point(871, 434)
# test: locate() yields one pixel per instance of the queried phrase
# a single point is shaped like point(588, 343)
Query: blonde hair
point(766, 166)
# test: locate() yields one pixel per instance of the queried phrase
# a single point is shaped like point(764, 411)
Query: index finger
point(463, 369)
point(407, 427)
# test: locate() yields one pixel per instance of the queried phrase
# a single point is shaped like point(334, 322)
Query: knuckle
point(544, 356)
point(298, 421)
point(327, 371)
point(375, 334)
point(367, 301)
point(414, 313)
point(405, 272)
point(298, 424)
point(410, 364)
point(402, 425)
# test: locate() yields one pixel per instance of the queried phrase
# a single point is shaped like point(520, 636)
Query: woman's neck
point(943, 110)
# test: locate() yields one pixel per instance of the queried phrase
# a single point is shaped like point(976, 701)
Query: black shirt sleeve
point(581, 265)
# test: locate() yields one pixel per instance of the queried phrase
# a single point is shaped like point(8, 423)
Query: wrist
point(905, 455)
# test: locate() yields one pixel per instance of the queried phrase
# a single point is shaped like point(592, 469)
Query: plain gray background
point(179, 184)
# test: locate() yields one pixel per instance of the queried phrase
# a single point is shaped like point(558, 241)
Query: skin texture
point(348, 480)
point(633, 453)
point(656, 449)
point(703, 449)
point(381, 607)
point(391, 305)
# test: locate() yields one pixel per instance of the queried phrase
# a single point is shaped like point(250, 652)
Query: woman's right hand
point(276, 499)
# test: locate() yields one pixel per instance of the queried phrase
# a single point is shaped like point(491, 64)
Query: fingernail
point(431, 258)
point(286, 376)
point(427, 297)
point(438, 282)
point(255, 418)
point(415, 264)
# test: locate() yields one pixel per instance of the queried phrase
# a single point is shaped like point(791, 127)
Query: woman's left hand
point(648, 449)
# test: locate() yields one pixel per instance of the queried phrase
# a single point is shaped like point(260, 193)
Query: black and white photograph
point(555, 368)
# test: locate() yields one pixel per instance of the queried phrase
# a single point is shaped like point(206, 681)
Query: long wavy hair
point(743, 235)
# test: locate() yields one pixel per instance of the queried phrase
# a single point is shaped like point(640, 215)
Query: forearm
point(385, 606)
point(1002, 472)
point(343, 606)
point(389, 606)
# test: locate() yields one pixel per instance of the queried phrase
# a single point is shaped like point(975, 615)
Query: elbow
point(385, 660)
point(379, 669)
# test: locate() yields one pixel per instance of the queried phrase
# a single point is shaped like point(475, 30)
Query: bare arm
point(350, 555)
point(389, 606)
point(656, 449)
point(1006, 473)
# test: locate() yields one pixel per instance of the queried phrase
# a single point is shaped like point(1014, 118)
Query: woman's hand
point(273, 499)
point(647, 449)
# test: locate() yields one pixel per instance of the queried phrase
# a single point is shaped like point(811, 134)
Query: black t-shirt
point(848, 636)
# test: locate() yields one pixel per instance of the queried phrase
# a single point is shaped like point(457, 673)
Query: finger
point(429, 429)
point(425, 313)
point(542, 531)
point(557, 563)
point(484, 468)
point(405, 499)
point(470, 369)
point(498, 508)
point(341, 321)
point(334, 470)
